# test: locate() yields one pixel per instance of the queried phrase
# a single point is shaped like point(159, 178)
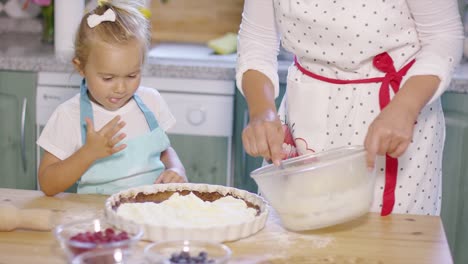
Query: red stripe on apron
point(392, 78)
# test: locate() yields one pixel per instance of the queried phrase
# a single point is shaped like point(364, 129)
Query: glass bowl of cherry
point(187, 251)
point(95, 234)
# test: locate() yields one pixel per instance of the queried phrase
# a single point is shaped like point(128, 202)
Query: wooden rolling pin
point(33, 219)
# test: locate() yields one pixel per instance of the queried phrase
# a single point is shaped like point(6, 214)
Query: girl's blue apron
point(138, 164)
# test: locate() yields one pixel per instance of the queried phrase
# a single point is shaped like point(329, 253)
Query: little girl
point(110, 136)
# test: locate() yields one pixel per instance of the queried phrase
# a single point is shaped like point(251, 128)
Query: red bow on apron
point(392, 78)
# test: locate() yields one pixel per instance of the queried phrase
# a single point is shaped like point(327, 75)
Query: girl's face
point(113, 72)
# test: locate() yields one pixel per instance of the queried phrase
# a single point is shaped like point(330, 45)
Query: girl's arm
point(57, 175)
point(175, 171)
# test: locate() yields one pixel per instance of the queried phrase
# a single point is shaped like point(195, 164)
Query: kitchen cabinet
point(190, 21)
point(17, 135)
point(455, 174)
point(195, 151)
point(244, 163)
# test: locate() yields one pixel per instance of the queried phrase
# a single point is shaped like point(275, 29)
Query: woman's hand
point(390, 133)
point(392, 130)
point(172, 175)
point(264, 136)
point(103, 143)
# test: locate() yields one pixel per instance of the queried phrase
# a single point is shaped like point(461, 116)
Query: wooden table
point(370, 239)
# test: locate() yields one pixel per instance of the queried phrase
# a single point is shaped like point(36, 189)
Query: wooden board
point(195, 21)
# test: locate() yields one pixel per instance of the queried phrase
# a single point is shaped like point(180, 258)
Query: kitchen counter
point(398, 239)
point(23, 51)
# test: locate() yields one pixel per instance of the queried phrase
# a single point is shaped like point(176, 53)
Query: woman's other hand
point(391, 131)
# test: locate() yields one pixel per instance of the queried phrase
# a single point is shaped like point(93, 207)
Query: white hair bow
point(94, 19)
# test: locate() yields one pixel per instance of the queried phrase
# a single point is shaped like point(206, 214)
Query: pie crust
point(160, 192)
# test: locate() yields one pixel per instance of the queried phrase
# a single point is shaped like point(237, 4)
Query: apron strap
point(86, 110)
point(392, 79)
point(150, 118)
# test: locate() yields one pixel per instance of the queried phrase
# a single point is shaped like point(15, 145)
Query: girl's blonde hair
point(129, 24)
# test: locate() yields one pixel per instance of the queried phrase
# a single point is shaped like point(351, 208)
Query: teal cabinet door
point(455, 175)
point(17, 135)
point(244, 164)
point(204, 158)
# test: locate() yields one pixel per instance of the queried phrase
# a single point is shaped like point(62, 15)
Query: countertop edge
point(178, 68)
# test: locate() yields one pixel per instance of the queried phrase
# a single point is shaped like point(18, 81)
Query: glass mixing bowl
point(320, 189)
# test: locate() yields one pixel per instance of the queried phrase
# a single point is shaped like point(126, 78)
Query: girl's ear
point(78, 66)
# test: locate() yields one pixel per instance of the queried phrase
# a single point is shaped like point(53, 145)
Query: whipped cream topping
point(188, 211)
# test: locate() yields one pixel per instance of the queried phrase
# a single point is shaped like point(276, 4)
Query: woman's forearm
point(416, 92)
point(259, 93)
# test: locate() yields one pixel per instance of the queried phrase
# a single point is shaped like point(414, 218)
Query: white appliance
point(202, 136)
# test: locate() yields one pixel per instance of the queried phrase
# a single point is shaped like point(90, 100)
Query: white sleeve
point(258, 42)
point(440, 33)
point(158, 105)
point(61, 136)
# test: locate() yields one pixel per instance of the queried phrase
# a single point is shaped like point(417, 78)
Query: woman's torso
point(339, 38)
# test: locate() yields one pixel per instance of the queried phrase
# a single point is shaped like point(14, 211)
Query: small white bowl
point(171, 252)
point(64, 234)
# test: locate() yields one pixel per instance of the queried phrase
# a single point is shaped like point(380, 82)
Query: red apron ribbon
point(392, 79)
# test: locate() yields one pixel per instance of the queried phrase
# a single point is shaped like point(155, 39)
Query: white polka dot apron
point(320, 115)
point(392, 79)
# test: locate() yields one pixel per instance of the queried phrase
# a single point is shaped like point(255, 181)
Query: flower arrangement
point(47, 12)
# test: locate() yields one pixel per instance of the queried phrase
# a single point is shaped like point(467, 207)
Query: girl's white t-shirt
point(62, 134)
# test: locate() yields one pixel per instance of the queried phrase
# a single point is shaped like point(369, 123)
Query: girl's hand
point(390, 133)
point(264, 136)
point(102, 143)
point(171, 175)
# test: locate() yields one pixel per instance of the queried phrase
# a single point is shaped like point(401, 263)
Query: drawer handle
point(23, 143)
point(244, 125)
